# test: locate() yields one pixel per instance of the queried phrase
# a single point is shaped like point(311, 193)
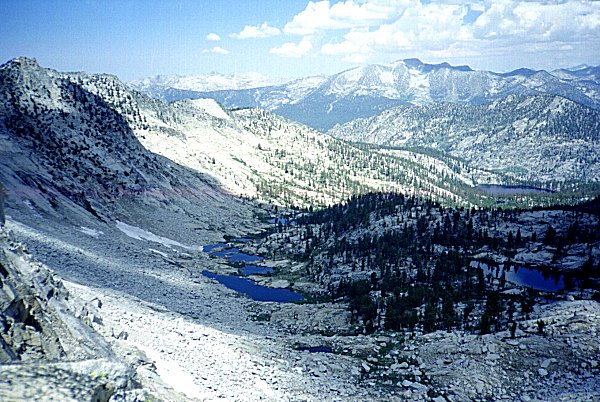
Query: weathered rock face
point(2, 196)
point(36, 319)
point(43, 345)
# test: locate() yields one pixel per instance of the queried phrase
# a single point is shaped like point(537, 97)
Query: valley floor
point(193, 339)
point(162, 315)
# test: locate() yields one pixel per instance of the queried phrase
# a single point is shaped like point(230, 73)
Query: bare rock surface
point(47, 351)
point(554, 366)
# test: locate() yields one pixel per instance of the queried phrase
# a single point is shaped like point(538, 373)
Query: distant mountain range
point(322, 102)
point(205, 82)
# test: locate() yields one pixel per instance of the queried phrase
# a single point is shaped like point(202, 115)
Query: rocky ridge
point(559, 365)
point(47, 344)
point(542, 139)
point(366, 91)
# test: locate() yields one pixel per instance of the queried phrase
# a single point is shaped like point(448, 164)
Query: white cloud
point(294, 50)
point(322, 15)
point(539, 21)
point(256, 31)
point(216, 50)
point(213, 37)
point(419, 28)
point(448, 28)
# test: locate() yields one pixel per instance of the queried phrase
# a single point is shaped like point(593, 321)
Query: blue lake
point(283, 221)
point(316, 349)
point(527, 277)
point(225, 253)
point(254, 291)
point(244, 257)
point(235, 255)
point(208, 249)
point(255, 270)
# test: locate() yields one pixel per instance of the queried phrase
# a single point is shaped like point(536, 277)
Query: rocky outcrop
point(2, 196)
point(44, 346)
point(36, 317)
point(558, 365)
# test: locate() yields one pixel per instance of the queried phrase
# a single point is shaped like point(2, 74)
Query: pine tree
point(485, 324)
point(550, 236)
point(540, 327)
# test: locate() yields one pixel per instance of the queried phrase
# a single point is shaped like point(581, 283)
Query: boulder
point(546, 363)
point(418, 387)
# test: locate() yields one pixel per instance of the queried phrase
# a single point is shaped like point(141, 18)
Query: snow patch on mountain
point(322, 102)
point(90, 232)
point(140, 234)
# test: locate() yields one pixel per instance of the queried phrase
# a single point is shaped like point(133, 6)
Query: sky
point(294, 38)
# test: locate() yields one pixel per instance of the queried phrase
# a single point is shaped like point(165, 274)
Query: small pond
point(209, 249)
point(253, 290)
point(529, 277)
point(283, 221)
point(235, 255)
point(255, 270)
point(316, 349)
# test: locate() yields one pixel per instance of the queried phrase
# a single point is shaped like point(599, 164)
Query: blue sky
point(290, 38)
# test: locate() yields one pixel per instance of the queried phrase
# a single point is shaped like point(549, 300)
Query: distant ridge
point(542, 138)
point(323, 102)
